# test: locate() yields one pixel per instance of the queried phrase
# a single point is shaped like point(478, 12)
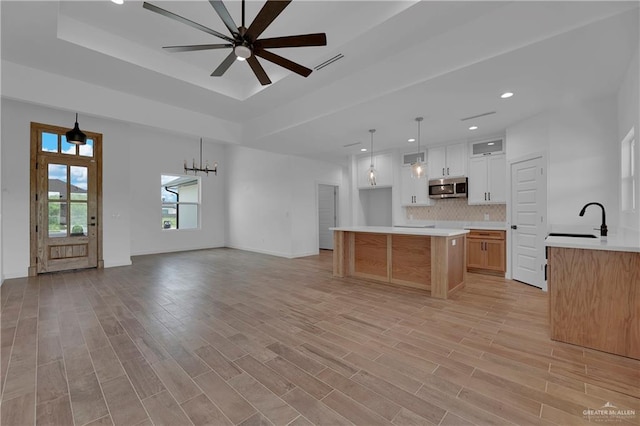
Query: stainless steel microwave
point(448, 188)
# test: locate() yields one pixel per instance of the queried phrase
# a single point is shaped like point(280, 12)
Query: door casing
point(37, 162)
point(541, 211)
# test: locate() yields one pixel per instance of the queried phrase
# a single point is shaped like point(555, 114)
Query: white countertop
point(488, 227)
point(457, 224)
point(433, 232)
point(618, 242)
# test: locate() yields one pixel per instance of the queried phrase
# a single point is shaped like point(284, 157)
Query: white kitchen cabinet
point(414, 192)
point(447, 161)
point(487, 180)
point(383, 164)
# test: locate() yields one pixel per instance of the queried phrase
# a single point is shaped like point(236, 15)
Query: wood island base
point(428, 262)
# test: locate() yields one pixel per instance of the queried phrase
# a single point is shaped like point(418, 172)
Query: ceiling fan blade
point(302, 40)
point(193, 47)
point(222, 11)
point(263, 78)
point(269, 12)
point(224, 66)
point(283, 62)
point(186, 21)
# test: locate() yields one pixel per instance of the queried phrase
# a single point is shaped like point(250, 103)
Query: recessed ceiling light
point(473, 128)
point(118, 1)
point(491, 143)
point(363, 149)
point(411, 140)
point(506, 95)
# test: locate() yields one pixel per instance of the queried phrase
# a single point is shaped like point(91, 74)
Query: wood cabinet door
point(475, 253)
point(494, 251)
point(384, 166)
point(456, 160)
point(497, 178)
point(477, 190)
point(436, 160)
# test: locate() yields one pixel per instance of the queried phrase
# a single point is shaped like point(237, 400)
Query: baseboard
point(269, 252)
point(116, 263)
point(176, 250)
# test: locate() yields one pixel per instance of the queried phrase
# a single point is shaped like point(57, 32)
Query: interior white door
point(528, 216)
point(327, 199)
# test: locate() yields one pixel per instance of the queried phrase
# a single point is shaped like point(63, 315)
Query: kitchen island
point(594, 292)
point(425, 258)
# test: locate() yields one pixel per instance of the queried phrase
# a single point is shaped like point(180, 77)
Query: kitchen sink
point(566, 234)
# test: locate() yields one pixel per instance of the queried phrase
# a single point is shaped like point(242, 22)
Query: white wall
point(154, 153)
point(134, 157)
point(273, 202)
point(629, 117)
point(580, 140)
point(377, 206)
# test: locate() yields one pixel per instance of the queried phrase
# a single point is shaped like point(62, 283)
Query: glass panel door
point(65, 216)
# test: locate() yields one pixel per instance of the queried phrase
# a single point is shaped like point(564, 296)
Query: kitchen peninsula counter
point(594, 292)
point(432, 259)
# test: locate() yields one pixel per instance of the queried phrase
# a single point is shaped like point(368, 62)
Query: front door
point(65, 212)
point(528, 221)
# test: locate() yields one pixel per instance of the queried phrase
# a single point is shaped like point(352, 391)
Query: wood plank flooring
point(226, 337)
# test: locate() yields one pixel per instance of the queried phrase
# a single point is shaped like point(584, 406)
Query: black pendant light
point(75, 136)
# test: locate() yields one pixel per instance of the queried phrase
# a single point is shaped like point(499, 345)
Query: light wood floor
point(228, 337)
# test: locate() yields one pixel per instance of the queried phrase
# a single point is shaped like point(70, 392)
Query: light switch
point(453, 242)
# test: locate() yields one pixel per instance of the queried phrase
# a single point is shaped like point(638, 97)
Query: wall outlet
point(453, 242)
point(486, 216)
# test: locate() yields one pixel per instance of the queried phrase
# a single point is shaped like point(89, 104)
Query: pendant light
point(75, 135)
point(371, 172)
point(417, 168)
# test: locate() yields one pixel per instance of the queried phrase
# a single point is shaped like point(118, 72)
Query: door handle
point(514, 226)
point(485, 196)
point(447, 171)
point(489, 196)
point(443, 171)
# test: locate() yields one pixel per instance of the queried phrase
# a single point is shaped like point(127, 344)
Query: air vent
point(329, 62)
point(477, 116)
point(351, 144)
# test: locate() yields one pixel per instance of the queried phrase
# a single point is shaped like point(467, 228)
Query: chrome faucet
point(603, 227)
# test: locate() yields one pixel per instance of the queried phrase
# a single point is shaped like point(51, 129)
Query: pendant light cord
point(419, 119)
point(372, 131)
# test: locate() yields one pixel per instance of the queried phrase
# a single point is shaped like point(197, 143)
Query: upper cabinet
point(447, 161)
point(487, 179)
point(383, 163)
point(414, 192)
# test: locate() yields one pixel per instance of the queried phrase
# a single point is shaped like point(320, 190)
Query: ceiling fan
point(244, 41)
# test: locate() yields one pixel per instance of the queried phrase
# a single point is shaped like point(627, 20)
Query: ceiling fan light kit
point(242, 52)
point(245, 44)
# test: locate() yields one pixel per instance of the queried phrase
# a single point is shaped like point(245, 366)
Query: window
point(628, 172)
point(52, 142)
point(180, 201)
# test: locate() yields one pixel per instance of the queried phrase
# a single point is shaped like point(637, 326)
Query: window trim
point(628, 172)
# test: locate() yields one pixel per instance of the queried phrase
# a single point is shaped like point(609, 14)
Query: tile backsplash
point(457, 209)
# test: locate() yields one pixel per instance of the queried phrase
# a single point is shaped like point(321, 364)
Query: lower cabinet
point(486, 252)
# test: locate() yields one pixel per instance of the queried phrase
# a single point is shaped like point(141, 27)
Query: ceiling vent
point(477, 116)
point(329, 62)
point(351, 144)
